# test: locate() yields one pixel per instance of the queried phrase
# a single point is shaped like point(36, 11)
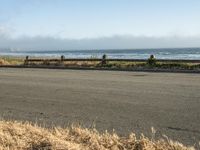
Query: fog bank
point(114, 42)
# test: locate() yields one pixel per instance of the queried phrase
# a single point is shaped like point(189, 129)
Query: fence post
point(62, 59)
point(103, 61)
point(26, 60)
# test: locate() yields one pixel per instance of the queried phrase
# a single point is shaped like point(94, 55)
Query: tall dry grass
point(25, 136)
point(11, 61)
point(3, 62)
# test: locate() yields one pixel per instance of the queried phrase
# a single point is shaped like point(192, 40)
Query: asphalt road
point(124, 101)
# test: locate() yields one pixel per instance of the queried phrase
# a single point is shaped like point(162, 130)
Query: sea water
point(167, 53)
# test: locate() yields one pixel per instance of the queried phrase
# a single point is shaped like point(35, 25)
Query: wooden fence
point(29, 60)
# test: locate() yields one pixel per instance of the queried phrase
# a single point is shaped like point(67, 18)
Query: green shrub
point(151, 61)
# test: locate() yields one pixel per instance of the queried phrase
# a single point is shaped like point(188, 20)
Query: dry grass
point(24, 136)
point(11, 61)
point(97, 64)
point(3, 62)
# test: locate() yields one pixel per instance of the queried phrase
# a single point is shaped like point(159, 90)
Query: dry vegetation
point(122, 65)
point(113, 65)
point(24, 136)
point(11, 61)
point(3, 62)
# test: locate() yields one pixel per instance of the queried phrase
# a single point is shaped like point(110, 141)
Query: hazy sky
point(90, 24)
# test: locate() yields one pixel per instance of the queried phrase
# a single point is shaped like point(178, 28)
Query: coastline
point(148, 65)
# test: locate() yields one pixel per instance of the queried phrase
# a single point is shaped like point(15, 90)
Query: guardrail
point(103, 60)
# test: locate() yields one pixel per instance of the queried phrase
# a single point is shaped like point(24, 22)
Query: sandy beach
point(124, 101)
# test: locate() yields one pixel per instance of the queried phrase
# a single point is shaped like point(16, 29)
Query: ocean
point(164, 53)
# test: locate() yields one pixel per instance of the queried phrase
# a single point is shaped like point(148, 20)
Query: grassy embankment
point(25, 136)
point(115, 65)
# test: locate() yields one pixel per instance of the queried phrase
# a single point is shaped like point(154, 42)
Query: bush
point(151, 61)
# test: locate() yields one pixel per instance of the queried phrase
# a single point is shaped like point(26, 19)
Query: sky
point(99, 24)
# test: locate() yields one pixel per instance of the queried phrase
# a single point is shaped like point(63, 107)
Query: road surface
point(124, 101)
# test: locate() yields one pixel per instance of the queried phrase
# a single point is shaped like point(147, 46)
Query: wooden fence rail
point(104, 59)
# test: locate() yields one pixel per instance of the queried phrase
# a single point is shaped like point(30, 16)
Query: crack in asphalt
point(183, 129)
